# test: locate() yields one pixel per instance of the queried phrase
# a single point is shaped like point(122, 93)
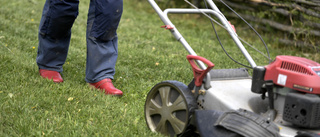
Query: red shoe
point(49, 74)
point(107, 86)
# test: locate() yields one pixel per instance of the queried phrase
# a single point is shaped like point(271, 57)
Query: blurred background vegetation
point(293, 23)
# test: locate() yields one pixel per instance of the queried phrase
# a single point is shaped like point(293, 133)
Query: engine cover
point(295, 72)
point(302, 110)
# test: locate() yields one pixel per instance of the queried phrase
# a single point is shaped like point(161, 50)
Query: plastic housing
point(296, 73)
point(302, 110)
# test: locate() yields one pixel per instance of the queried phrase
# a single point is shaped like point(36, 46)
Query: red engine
point(295, 72)
point(300, 108)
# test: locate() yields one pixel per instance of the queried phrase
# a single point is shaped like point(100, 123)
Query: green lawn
point(32, 106)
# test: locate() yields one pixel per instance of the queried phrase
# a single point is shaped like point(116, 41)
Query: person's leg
point(54, 37)
point(55, 32)
point(102, 41)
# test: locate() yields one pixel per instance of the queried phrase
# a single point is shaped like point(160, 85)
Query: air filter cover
point(302, 110)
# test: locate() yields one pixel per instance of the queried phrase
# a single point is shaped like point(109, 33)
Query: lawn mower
point(279, 99)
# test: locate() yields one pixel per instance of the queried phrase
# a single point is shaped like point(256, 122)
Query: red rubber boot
point(107, 86)
point(49, 74)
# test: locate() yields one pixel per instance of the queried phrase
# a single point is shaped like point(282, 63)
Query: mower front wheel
point(169, 107)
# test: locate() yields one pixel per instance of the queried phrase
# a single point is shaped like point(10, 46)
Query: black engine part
point(258, 80)
point(302, 110)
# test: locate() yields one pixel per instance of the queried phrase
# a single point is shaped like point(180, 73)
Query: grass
point(32, 106)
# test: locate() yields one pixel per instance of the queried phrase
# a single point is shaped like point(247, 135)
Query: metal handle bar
point(214, 11)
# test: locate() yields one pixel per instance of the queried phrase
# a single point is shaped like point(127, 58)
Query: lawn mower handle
point(214, 11)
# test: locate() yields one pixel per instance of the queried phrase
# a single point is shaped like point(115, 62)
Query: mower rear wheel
point(169, 107)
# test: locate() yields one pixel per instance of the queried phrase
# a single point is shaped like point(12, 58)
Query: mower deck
point(234, 92)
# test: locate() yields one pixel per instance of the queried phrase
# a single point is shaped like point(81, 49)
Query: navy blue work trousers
point(102, 42)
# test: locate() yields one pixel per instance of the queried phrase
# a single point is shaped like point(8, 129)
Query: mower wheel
point(169, 107)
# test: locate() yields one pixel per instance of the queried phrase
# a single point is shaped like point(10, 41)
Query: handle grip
point(198, 73)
